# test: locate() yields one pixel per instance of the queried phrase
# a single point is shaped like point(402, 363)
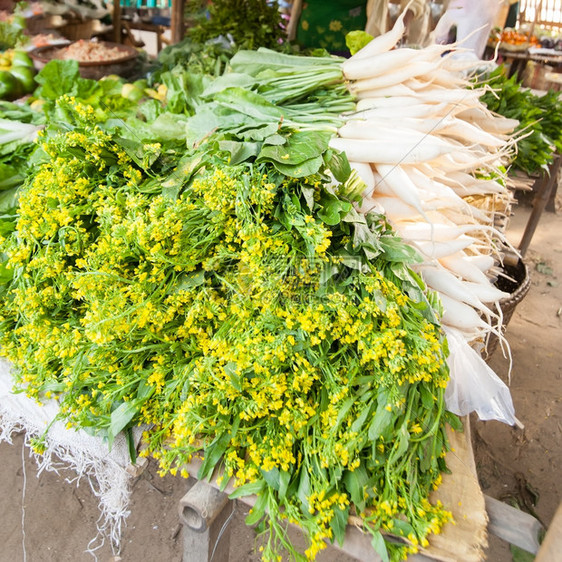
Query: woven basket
point(517, 289)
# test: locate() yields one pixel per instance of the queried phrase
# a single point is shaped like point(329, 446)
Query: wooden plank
point(551, 547)
point(177, 24)
point(543, 196)
point(513, 525)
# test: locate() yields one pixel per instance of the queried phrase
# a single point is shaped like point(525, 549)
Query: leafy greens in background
point(540, 118)
point(249, 24)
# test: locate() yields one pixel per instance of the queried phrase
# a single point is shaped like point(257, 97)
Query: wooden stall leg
point(551, 546)
point(514, 526)
point(541, 199)
point(206, 514)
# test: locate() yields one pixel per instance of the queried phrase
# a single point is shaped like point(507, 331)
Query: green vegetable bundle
point(540, 119)
point(243, 315)
point(248, 23)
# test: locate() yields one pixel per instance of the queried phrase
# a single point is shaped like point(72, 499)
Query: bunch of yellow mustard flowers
point(239, 324)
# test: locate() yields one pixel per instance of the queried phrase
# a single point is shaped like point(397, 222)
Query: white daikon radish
point(432, 187)
point(470, 134)
point(401, 185)
point(391, 78)
point(486, 293)
point(438, 232)
point(438, 94)
point(443, 281)
point(394, 208)
point(461, 315)
point(371, 130)
point(396, 90)
point(421, 110)
point(390, 151)
point(383, 63)
point(439, 250)
point(383, 42)
point(462, 267)
point(365, 172)
point(482, 262)
point(442, 77)
point(392, 102)
point(464, 183)
point(489, 121)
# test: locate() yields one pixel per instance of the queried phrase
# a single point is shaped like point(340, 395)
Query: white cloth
point(86, 455)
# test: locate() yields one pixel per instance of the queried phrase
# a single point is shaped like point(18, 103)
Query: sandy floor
point(46, 519)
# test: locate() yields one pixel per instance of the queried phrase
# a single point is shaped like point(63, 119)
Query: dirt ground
point(46, 519)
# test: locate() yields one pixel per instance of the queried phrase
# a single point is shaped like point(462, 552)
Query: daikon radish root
point(458, 264)
point(475, 189)
point(486, 293)
point(421, 110)
point(383, 42)
point(465, 161)
point(442, 77)
point(470, 134)
point(426, 126)
point(396, 90)
point(401, 185)
point(443, 281)
point(365, 172)
point(461, 315)
point(438, 250)
point(394, 102)
point(367, 130)
point(417, 84)
point(461, 182)
point(469, 98)
point(394, 208)
point(437, 231)
point(433, 188)
point(489, 121)
point(376, 65)
point(465, 215)
point(389, 61)
point(482, 262)
point(390, 151)
point(397, 76)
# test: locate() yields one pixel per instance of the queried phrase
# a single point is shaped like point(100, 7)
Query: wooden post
point(117, 21)
point(546, 187)
point(176, 23)
point(552, 544)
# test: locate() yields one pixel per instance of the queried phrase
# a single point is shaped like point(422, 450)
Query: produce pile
point(539, 117)
point(208, 264)
point(16, 74)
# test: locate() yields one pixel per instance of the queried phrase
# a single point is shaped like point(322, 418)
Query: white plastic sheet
point(473, 386)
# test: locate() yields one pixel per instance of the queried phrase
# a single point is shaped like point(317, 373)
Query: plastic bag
point(473, 386)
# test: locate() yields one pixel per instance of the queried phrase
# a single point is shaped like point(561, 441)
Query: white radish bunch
point(422, 141)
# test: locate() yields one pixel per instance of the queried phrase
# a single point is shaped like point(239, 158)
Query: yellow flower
point(335, 25)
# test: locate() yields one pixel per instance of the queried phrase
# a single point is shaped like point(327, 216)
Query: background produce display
point(16, 74)
point(539, 116)
point(259, 310)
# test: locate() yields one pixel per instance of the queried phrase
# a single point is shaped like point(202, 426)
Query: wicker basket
point(74, 30)
point(517, 289)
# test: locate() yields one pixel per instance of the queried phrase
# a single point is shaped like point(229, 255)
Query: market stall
point(280, 269)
